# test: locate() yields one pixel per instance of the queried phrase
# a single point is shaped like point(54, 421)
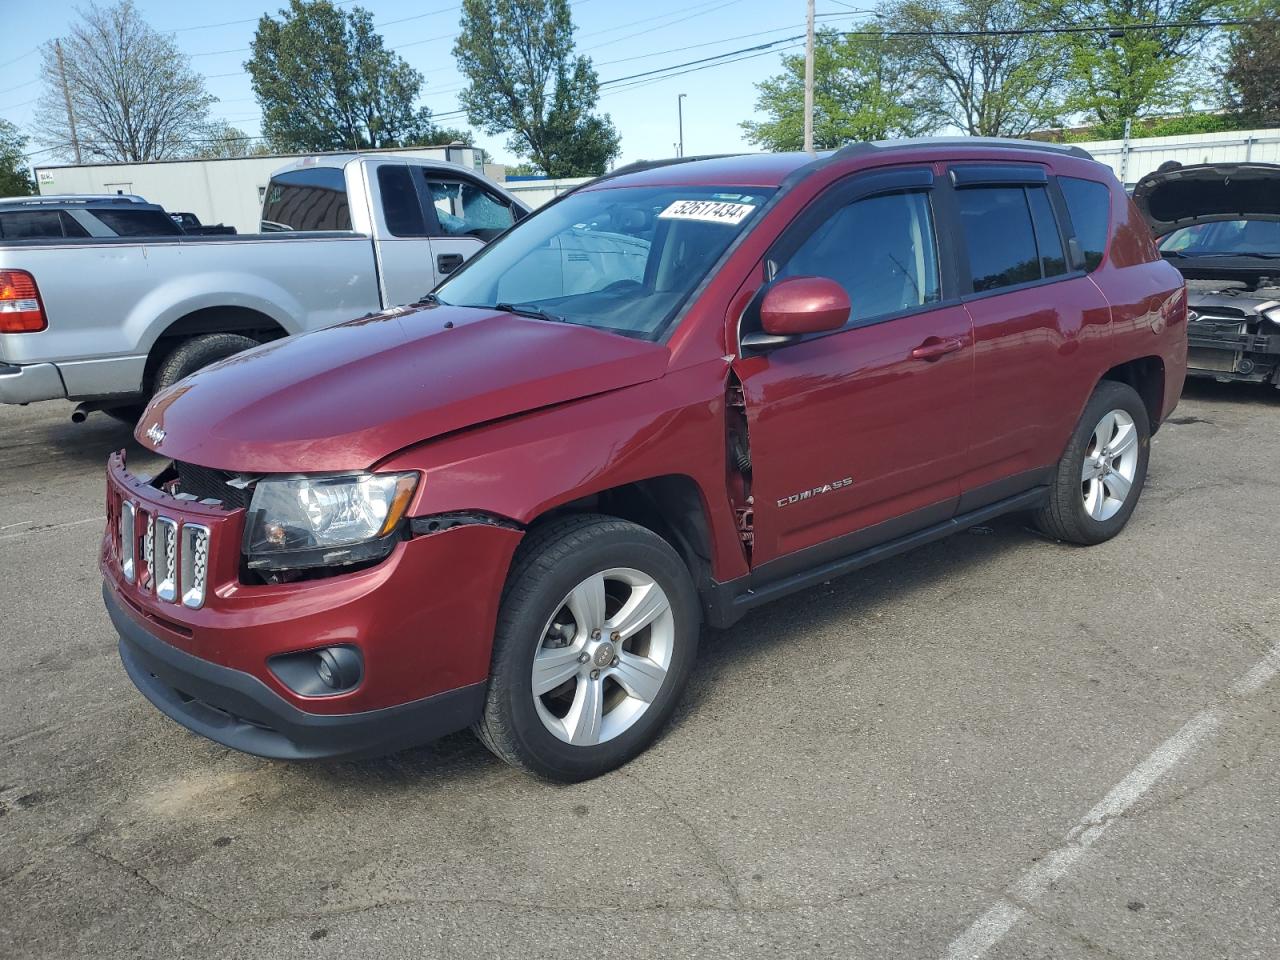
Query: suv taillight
point(20, 308)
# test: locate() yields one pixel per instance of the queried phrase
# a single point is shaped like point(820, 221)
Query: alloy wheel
point(1110, 464)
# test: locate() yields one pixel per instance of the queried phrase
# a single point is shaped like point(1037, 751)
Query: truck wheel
point(595, 639)
point(190, 355)
point(1100, 477)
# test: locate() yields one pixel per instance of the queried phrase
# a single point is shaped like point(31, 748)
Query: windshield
point(1225, 238)
point(622, 259)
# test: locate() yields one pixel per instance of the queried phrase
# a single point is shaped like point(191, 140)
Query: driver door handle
point(448, 262)
point(935, 348)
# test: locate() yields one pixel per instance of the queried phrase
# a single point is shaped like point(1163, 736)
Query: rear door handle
point(935, 348)
point(448, 262)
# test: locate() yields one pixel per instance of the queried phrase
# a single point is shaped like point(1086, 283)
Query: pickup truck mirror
point(800, 305)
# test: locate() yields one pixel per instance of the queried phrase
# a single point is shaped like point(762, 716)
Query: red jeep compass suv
point(678, 392)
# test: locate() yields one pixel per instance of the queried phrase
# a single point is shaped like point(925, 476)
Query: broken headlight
point(304, 522)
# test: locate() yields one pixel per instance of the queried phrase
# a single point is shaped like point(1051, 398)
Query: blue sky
point(622, 37)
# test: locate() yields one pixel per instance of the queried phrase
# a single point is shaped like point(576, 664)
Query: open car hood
point(1204, 192)
point(346, 397)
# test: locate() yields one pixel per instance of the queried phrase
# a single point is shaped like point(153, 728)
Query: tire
point(637, 691)
point(191, 355)
point(1088, 511)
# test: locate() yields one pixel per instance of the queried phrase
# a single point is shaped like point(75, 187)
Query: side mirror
point(799, 305)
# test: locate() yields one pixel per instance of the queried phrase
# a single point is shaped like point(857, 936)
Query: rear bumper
point(30, 383)
point(238, 710)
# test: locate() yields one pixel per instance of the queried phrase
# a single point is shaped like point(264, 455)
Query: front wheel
point(1101, 474)
point(596, 636)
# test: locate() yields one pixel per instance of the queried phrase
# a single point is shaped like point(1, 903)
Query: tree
point(133, 94)
point(524, 80)
point(993, 81)
point(220, 140)
point(15, 181)
point(863, 90)
point(1118, 75)
point(325, 82)
point(1253, 66)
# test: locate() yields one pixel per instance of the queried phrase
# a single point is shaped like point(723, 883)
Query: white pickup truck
point(109, 320)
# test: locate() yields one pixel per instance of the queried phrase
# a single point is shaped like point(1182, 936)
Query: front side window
point(881, 250)
point(1000, 237)
point(1226, 238)
point(1089, 204)
point(314, 198)
point(466, 210)
point(622, 259)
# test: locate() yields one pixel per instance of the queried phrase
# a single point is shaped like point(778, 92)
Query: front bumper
point(1225, 350)
point(30, 383)
point(238, 710)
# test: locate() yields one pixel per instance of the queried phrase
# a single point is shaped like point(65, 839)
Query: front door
point(860, 435)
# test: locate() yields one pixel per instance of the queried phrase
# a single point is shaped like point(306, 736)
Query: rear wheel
point(596, 636)
point(1103, 470)
point(198, 352)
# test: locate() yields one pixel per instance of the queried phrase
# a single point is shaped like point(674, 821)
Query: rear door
point(406, 271)
point(860, 435)
point(1036, 316)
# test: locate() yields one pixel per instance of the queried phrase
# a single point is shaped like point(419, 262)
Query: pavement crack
point(708, 851)
point(147, 881)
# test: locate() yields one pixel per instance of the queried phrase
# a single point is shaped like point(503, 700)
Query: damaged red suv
point(676, 393)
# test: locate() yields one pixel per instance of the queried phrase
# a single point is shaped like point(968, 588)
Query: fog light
point(319, 673)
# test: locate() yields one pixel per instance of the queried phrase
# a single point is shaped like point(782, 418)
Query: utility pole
point(66, 97)
point(680, 120)
point(808, 82)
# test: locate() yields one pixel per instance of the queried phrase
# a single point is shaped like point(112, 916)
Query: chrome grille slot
point(195, 564)
point(149, 545)
point(128, 540)
point(165, 573)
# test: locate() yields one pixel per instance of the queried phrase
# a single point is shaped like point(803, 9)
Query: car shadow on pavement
point(27, 441)
point(1200, 388)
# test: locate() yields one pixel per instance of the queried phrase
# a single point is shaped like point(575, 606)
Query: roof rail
point(640, 166)
point(69, 199)
point(908, 143)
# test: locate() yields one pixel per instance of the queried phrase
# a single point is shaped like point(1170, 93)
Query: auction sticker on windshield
point(712, 211)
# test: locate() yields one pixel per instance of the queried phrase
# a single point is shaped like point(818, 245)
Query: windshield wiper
point(1249, 255)
point(525, 310)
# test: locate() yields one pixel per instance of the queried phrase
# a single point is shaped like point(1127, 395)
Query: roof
point(772, 169)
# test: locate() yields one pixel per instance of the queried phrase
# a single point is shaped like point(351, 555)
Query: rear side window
point(881, 250)
point(138, 223)
point(400, 207)
point(314, 198)
point(1089, 204)
point(39, 225)
point(1000, 237)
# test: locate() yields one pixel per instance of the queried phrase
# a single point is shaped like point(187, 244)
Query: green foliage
point(1132, 74)
point(525, 81)
point(133, 92)
point(1000, 84)
point(325, 82)
point(1253, 67)
point(863, 90)
point(15, 180)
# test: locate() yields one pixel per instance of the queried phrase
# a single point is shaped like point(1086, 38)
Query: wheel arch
point(219, 319)
point(1146, 375)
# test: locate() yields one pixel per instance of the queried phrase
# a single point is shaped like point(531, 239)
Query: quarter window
point(400, 207)
point(1089, 204)
point(466, 210)
point(1012, 236)
point(880, 249)
point(124, 222)
point(314, 198)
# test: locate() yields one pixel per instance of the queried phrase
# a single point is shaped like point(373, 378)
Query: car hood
point(1200, 193)
point(348, 396)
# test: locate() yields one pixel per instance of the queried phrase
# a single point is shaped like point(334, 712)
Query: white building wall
point(217, 191)
point(537, 192)
point(1133, 160)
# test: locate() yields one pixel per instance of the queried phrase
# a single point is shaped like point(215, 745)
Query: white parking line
point(51, 526)
point(990, 928)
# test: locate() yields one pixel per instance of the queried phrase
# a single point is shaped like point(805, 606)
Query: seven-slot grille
point(163, 555)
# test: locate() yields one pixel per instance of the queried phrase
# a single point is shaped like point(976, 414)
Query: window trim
point(915, 178)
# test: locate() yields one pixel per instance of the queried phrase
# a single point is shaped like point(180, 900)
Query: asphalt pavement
point(997, 746)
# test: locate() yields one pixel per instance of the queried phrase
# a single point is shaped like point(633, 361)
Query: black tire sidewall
point(198, 353)
point(1109, 396)
point(520, 634)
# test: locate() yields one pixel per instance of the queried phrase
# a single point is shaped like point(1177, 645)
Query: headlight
point(1271, 311)
point(325, 521)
